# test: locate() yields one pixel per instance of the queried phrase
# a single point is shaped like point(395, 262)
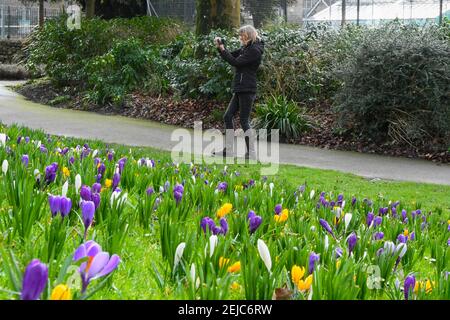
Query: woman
point(246, 60)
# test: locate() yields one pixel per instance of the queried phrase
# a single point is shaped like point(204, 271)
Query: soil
point(183, 112)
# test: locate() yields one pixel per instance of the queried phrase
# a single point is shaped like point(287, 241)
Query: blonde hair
point(250, 32)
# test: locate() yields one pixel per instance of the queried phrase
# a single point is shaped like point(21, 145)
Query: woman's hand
point(219, 45)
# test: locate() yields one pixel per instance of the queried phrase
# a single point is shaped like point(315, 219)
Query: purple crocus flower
point(96, 199)
point(410, 283)
point(326, 226)
point(278, 209)
point(85, 193)
point(254, 221)
point(404, 215)
point(64, 151)
point(378, 235)
point(340, 199)
point(166, 186)
point(43, 149)
point(223, 225)
point(412, 236)
point(178, 191)
point(87, 210)
point(150, 191)
point(369, 219)
point(413, 214)
point(55, 204)
point(394, 212)
point(50, 172)
point(351, 241)
point(383, 211)
point(25, 160)
point(207, 222)
point(448, 242)
point(338, 252)
point(402, 238)
point(34, 280)
point(99, 178)
point(27, 139)
point(96, 187)
point(353, 201)
point(313, 258)
point(110, 156)
point(71, 160)
point(65, 206)
point(19, 139)
point(222, 186)
point(122, 163)
point(101, 169)
point(98, 263)
point(377, 221)
point(116, 181)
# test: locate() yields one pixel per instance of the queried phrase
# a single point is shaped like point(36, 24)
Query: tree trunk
point(214, 14)
point(90, 9)
point(343, 13)
point(41, 13)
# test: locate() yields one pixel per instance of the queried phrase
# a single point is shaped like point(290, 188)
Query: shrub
point(280, 113)
point(117, 72)
point(396, 85)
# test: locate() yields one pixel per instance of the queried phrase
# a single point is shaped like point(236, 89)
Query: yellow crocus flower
point(61, 292)
point(235, 267)
point(224, 210)
point(235, 286)
point(406, 232)
point(66, 172)
point(108, 183)
point(297, 273)
point(282, 217)
point(223, 262)
point(305, 285)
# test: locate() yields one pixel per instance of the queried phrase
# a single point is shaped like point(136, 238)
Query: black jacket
point(246, 60)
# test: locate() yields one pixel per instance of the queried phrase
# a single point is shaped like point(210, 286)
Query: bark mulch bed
point(183, 112)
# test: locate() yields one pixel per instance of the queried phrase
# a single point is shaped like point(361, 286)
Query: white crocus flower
point(178, 254)
point(313, 228)
point(389, 247)
point(264, 254)
point(94, 154)
point(212, 244)
point(401, 247)
point(37, 174)
point(192, 273)
point(326, 242)
point(5, 166)
point(161, 189)
point(343, 205)
point(2, 139)
point(65, 187)
point(347, 219)
point(77, 182)
point(311, 194)
point(271, 185)
point(117, 195)
point(193, 179)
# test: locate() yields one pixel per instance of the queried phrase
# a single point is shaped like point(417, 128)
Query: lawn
point(310, 231)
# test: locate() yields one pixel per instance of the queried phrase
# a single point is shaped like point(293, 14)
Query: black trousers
point(242, 102)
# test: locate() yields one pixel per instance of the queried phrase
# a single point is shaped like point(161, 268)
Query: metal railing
point(17, 22)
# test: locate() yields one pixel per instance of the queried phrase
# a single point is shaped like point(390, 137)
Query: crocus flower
point(207, 222)
point(55, 204)
point(378, 235)
point(278, 209)
point(264, 253)
point(96, 199)
point(85, 193)
point(34, 280)
point(338, 252)
point(122, 163)
point(254, 221)
point(222, 186)
point(178, 193)
point(99, 263)
point(96, 187)
point(404, 215)
point(369, 219)
point(326, 226)
point(87, 210)
point(116, 180)
point(50, 172)
point(61, 292)
point(110, 155)
point(353, 201)
point(402, 238)
point(224, 226)
point(25, 160)
point(65, 206)
point(410, 283)
point(150, 191)
point(71, 160)
point(351, 241)
point(313, 258)
point(377, 221)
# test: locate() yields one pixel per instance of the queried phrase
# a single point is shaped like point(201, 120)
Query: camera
point(221, 41)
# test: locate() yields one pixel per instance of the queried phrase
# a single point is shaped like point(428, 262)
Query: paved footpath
point(117, 129)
